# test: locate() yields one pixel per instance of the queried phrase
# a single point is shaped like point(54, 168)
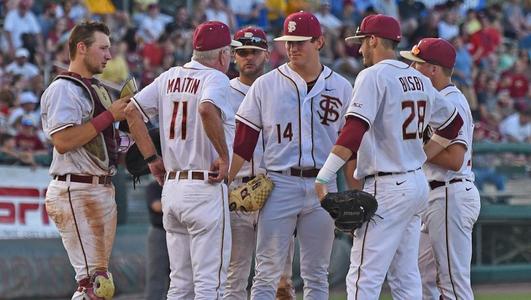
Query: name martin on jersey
point(183, 85)
point(411, 83)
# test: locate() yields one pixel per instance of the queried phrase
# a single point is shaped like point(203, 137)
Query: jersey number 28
point(417, 110)
point(183, 120)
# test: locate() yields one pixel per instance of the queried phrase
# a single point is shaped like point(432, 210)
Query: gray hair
point(208, 55)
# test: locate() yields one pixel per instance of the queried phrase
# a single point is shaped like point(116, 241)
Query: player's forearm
point(235, 166)
point(213, 126)
point(450, 158)
point(73, 137)
point(348, 171)
point(139, 131)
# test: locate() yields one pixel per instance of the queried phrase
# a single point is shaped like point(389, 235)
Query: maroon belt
point(83, 178)
point(195, 175)
point(435, 184)
point(300, 172)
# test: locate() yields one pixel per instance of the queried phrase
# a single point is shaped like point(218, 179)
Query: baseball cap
point(28, 97)
point(212, 35)
point(22, 52)
point(251, 38)
point(435, 51)
point(381, 26)
point(300, 26)
point(26, 121)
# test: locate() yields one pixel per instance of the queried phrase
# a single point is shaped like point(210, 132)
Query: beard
point(92, 67)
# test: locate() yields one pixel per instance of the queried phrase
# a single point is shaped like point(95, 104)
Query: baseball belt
point(435, 184)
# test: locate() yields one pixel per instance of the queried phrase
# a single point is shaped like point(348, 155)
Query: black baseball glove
point(350, 209)
point(134, 161)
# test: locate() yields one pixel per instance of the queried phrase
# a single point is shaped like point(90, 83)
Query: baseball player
point(196, 124)
point(453, 206)
point(298, 108)
point(250, 58)
point(77, 115)
point(391, 104)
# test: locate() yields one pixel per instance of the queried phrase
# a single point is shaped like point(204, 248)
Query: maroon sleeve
point(452, 130)
point(245, 141)
point(352, 133)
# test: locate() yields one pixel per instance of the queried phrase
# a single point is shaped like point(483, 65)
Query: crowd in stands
point(492, 38)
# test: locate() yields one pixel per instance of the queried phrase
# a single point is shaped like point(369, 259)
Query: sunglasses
point(253, 41)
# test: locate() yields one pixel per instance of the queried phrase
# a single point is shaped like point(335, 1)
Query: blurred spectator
point(216, 10)
point(276, 12)
point(387, 7)
point(27, 138)
point(153, 24)
point(117, 70)
point(515, 80)
point(515, 23)
point(249, 12)
point(462, 76)
point(429, 28)
point(327, 19)
point(411, 12)
point(48, 18)
point(21, 66)
point(57, 35)
point(21, 21)
point(181, 22)
point(517, 127)
point(448, 28)
point(8, 150)
point(28, 102)
point(350, 15)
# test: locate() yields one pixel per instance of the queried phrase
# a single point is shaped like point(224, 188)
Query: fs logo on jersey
point(330, 107)
point(292, 25)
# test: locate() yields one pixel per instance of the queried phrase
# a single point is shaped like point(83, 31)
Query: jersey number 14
point(416, 110)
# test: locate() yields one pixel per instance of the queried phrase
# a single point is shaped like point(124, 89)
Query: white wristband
point(328, 172)
point(441, 140)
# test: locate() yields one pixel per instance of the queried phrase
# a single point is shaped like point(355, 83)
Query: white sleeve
point(347, 94)
point(249, 111)
point(61, 108)
point(443, 111)
point(216, 90)
point(365, 100)
point(9, 24)
point(147, 99)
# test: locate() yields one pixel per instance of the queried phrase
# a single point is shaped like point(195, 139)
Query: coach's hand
point(321, 190)
point(156, 168)
point(117, 108)
point(221, 167)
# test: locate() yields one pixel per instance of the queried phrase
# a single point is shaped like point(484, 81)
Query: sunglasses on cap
point(253, 41)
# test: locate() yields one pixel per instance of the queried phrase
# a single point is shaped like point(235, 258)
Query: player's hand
point(156, 168)
point(117, 108)
point(220, 166)
point(321, 190)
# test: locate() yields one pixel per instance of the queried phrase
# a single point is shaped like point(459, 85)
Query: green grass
point(500, 296)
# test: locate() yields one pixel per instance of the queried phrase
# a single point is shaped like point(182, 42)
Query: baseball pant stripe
point(448, 242)
point(362, 250)
point(222, 239)
point(77, 231)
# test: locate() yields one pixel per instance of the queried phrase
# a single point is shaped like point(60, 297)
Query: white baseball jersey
point(298, 127)
point(397, 102)
point(76, 108)
point(237, 93)
point(175, 96)
point(465, 136)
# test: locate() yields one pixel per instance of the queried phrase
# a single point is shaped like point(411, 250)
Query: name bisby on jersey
point(183, 85)
point(411, 83)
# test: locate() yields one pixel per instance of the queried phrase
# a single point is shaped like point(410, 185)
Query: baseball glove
point(350, 209)
point(251, 196)
point(134, 161)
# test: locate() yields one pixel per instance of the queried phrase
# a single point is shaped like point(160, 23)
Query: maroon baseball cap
point(300, 26)
point(381, 26)
point(435, 51)
point(212, 35)
point(251, 38)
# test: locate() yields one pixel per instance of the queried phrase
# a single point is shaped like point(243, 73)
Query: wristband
point(102, 121)
point(328, 171)
point(444, 142)
point(151, 159)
